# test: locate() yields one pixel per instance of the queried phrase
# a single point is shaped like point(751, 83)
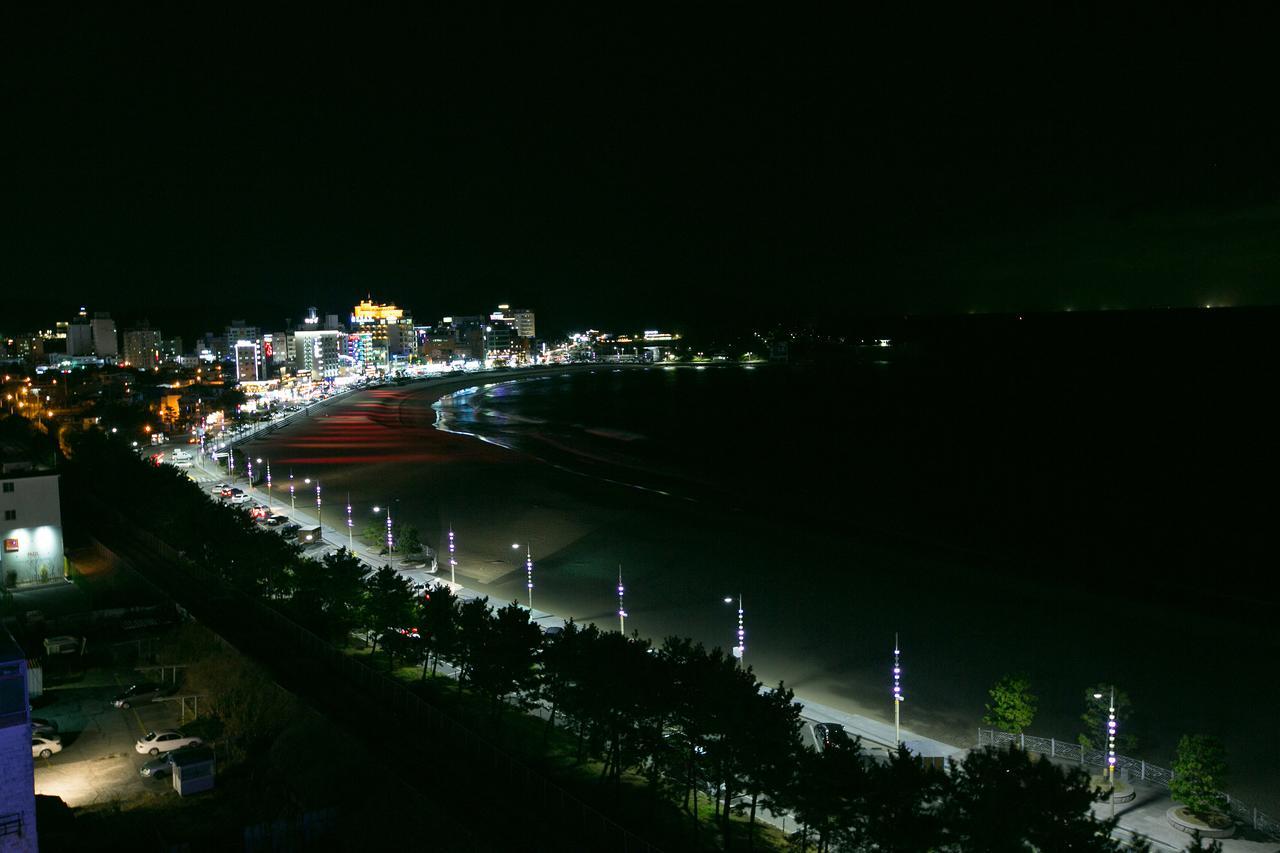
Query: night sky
point(642, 168)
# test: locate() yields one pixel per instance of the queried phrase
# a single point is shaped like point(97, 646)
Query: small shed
point(192, 770)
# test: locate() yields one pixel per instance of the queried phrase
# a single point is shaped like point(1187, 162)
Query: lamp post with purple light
point(453, 564)
point(528, 569)
point(622, 611)
point(391, 541)
point(740, 650)
point(1112, 725)
point(292, 503)
point(898, 698)
point(351, 536)
point(268, 484)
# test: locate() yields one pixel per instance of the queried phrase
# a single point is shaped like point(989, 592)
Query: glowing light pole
point(1111, 746)
point(453, 564)
point(248, 461)
point(898, 698)
point(528, 569)
point(391, 542)
point(622, 611)
point(351, 536)
point(292, 504)
point(268, 484)
point(740, 650)
point(319, 523)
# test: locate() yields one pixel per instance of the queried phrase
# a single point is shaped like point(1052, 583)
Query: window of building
point(10, 515)
point(8, 487)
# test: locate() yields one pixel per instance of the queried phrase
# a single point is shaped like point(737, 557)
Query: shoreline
point(678, 559)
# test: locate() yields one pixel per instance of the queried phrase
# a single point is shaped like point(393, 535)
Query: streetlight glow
point(528, 568)
point(898, 698)
point(453, 564)
point(622, 611)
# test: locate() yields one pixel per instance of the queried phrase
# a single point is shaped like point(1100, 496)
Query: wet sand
point(821, 605)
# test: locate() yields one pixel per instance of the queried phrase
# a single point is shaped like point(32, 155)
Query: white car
point(44, 744)
point(154, 743)
point(241, 498)
point(217, 490)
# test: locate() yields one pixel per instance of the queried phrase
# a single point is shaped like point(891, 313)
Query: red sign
point(10, 545)
point(267, 349)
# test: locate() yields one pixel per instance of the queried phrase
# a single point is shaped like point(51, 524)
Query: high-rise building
point(525, 326)
point(389, 332)
point(241, 331)
point(318, 352)
point(105, 342)
point(248, 361)
point(520, 319)
point(143, 347)
point(80, 335)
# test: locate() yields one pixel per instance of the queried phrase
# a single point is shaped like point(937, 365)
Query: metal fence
point(1131, 769)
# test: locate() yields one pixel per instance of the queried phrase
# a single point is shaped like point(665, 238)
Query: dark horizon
point(700, 172)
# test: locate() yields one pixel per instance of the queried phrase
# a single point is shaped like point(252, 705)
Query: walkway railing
point(1129, 769)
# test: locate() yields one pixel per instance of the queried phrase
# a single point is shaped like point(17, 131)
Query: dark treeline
point(687, 724)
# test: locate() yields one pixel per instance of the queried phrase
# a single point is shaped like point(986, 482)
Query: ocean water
point(1126, 463)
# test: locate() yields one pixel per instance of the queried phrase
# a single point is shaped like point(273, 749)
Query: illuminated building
point(248, 361)
point(105, 343)
point(389, 333)
point(318, 352)
point(31, 525)
point(142, 347)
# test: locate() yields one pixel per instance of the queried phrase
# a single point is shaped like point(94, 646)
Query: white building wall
point(31, 528)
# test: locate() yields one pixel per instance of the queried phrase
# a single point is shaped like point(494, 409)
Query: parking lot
point(98, 762)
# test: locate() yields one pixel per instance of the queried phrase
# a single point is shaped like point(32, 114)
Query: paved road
point(98, 762)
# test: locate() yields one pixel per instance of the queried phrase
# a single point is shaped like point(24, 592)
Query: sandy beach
point(821, 606)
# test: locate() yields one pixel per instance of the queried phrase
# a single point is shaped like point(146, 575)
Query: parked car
point(160, 767)
point(154, 743)
point(277, 520)
point(138, 694)
point(44, 745)
point(39, 725)
point(290, 530)
point(61, 645)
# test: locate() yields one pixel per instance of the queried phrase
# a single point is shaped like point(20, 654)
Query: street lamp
point(351, 536)
point(453, 564)
point(528, 569)
point(292, 504)
point(319, 523)
point(622, 611)
point(1112, 725)
point(248, 461)
point(391, 542)
point(740, 650)
point(898, 698)
point(268, 483)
